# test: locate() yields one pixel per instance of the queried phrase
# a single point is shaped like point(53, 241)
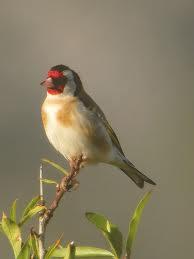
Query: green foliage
point(26, 249)
point(52, 248)
point(25, 252)
point(33, 242)
point(49, 181)
point(31, 213)
point(30, 205)
point(133, 226)
point(58, 167)
point(110, 231)
point(70, 251)
point(12, 230)
point(31, 210)
point(84, 252)
point(13, 211)
point(13, 233)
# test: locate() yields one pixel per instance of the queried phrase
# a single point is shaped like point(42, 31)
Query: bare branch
point(67, 183)
point(41, 231)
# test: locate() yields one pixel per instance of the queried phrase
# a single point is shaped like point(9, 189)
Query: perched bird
point(77, 128)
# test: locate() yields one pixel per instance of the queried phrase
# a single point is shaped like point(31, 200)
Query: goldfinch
point(76, 126)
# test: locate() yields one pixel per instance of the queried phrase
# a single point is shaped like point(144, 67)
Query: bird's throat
point(55, 91)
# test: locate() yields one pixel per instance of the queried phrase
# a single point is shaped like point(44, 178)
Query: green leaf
point(133, 225)
point(84, 252)
point(33, 242)
point(25, 252)
point(12, 231)
point(52, 248)
point(13, 211)
point(70, 251)
point(55, 165)
point(30, 205)
point(110, 231)
point(31, 213)
point(48, 181)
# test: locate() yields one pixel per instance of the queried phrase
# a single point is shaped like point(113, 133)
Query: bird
point(77, 127)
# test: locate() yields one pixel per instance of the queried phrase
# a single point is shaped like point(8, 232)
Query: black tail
point(136, 176)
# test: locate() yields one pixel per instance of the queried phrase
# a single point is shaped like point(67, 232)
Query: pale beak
point(47, 83)
point(42, 83)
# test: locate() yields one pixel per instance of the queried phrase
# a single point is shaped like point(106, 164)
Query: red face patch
point(55, 74)
point(59, 90)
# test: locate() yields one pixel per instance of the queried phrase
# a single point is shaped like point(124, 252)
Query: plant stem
point(41, 231)
point(67, 183)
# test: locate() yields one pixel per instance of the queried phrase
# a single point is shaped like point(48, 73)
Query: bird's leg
point(70, 180)
point(75, 166)
point(67, 182)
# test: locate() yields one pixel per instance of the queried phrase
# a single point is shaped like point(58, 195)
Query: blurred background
point(136, 59)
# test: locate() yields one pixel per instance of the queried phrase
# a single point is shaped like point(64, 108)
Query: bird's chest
point(67, 128)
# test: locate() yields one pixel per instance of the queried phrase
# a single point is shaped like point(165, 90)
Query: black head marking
point(60, 68)
point(77, 80)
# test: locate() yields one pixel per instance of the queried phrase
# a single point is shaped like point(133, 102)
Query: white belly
point(72, 141)
point(68, 141)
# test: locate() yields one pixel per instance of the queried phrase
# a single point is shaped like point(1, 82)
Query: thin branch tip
point(67, 182)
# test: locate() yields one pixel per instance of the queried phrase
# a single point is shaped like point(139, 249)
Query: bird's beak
point(48, 83)
point(42, 83)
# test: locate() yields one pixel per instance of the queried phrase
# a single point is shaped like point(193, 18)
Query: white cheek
point(68, 74)
point(70, 88)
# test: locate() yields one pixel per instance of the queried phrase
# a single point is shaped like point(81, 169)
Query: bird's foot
point(76, 163)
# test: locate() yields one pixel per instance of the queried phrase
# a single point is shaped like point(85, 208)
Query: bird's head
point(61, 79)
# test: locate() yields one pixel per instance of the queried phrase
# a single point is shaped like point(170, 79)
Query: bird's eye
point(59, 81)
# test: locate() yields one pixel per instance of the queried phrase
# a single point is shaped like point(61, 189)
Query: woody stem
point(64, 186)
point(41, 231)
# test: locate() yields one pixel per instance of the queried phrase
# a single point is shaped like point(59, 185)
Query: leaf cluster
point(11, 227)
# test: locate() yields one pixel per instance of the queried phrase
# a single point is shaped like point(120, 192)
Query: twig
point(67, 183)
point(41, 231)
